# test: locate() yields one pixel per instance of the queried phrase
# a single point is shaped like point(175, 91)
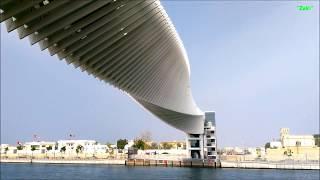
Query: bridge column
point(204, 146)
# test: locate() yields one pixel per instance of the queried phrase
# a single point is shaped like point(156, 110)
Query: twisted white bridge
point(130, 44)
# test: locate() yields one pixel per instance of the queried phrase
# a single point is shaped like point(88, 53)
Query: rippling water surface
point(75, 171)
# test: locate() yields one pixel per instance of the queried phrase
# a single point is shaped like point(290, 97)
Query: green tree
point(267, 145)
point(33, 148)
point(166, 145)
point(79, 149)
point(19, 147)
point(6, 150)
point(121, 143)
point(63, 149)
point(49, 148)
point(139, 144)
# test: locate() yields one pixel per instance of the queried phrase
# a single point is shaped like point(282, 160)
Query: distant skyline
point(255, 63)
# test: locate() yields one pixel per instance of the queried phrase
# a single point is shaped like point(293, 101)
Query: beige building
point(296, 147)
point(173, 145)
point(288, 140)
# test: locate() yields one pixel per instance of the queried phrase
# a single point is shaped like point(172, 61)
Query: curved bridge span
point(130, 44)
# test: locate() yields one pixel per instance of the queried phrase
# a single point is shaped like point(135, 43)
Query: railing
point(211, 144)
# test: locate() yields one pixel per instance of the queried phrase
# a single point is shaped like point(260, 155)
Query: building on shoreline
point(36, 147)
point(89, 148)
point(172, 145)
point(61, 148)
point(239, 153)
point(7, 149)
point(288, 140)
point(292, 147)
point(297, 147)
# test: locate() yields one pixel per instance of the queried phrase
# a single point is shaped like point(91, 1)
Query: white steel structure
point(130, 44)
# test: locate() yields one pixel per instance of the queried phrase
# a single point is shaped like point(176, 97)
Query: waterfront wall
point(66, 161)
point(296, 153)
point(59, 155)
point(271, 165)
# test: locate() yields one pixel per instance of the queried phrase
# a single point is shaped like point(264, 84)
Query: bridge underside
point(131, 45)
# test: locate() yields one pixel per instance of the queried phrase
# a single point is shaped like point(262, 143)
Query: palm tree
point(79, 149)
point(63, 149)
point(6, 150)
point(19, 147)
point(48, 148)
point(33, 148)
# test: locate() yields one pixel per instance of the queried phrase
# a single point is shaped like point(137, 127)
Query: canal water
point(113, 172)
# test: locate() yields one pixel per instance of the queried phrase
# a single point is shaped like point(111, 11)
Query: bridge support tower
point(204, 146)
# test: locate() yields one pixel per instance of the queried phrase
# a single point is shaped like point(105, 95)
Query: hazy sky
point(255, 63)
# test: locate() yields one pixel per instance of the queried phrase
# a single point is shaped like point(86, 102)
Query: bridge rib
point(131, 45)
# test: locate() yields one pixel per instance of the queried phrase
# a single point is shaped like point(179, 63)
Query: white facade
point(7, 149)
point(37, 147)
point(4, 148)
point(295, 140)
point(275, 144)
point(43, 147)
point(130, 144)
point(85, 146)
point(163, 151)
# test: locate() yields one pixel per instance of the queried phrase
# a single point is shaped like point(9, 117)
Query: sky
point(255, 63)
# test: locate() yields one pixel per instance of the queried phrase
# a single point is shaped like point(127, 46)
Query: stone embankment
point(66, 161)
point(271, 165)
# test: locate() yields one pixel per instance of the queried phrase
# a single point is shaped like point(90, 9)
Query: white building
point(38, 147)
point(130, 144)
point(85, 146)
point(4, 148)
point(275, 144)
point(7, 149)
point(100, 148)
